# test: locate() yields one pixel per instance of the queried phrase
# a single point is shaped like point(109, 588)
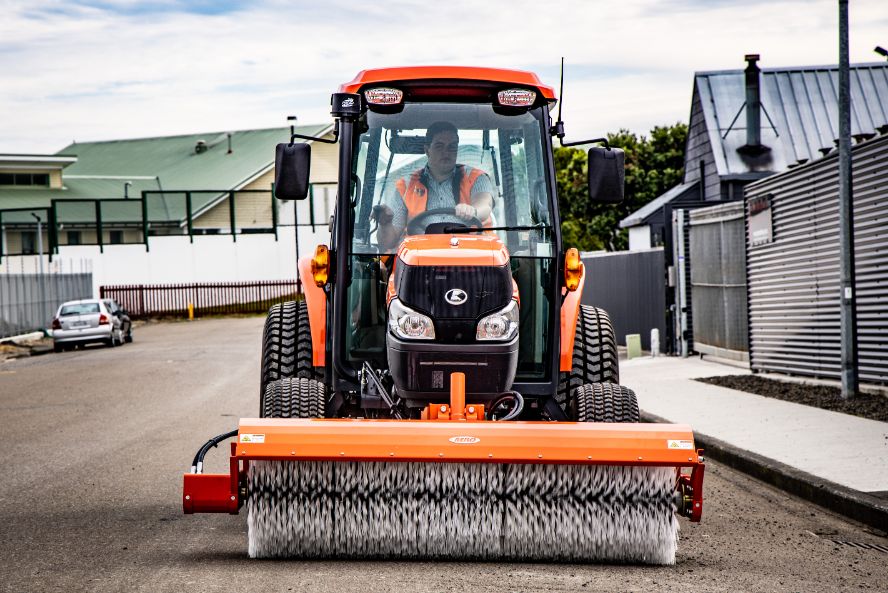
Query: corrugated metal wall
point(718, 280)
point(29, 301)
point(794, 280)
point(630, 286)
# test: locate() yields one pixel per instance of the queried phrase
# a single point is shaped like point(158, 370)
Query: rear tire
point(294, 398)
point(129, 335)
point(57, 347)
point(603, 402)
point(595, 357)
point(286, 346)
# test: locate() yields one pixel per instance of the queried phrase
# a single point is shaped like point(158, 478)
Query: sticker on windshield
point(252, 438)
point(675, 444)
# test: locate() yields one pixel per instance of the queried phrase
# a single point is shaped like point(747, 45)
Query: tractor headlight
point(502, 325)
point(406, 323)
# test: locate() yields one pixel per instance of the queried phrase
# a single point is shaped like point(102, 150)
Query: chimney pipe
point(753, 102)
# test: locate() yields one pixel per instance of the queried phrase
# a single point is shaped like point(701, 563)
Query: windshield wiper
point(464, 229)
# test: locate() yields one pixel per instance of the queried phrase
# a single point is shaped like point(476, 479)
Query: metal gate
point(630, 286)
point(718, 280)
point(793, 267)
point(28, 301)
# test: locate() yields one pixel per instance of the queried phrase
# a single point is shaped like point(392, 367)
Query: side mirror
point(292, 165)
point(606, 174)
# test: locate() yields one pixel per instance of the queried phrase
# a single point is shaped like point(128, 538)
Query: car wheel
point(129, 335)
point(57, 347)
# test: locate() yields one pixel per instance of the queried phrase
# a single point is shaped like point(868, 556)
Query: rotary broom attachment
point(442, 488)
point(461, 511)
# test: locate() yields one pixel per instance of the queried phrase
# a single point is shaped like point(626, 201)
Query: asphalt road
point(95, 443)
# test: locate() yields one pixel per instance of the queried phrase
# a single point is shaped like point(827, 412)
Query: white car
point(89, 321)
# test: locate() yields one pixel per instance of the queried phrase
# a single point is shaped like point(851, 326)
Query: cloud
point(103, 69)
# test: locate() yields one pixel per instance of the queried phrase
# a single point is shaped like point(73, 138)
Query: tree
point(653, 165)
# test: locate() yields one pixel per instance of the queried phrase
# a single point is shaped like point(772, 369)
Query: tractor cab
point(446, 252)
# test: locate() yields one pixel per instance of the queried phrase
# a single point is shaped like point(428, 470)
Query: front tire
point(294, 398)
point(286, 346)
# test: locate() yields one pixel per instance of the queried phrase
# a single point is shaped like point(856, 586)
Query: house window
point(116, 237)
point(74, 238)
point(29, 242)
point(25, 179)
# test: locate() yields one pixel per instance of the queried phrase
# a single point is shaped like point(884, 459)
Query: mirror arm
point(335, 139)
point(594, 140)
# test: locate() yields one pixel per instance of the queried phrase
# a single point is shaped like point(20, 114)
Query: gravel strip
point(874, 407)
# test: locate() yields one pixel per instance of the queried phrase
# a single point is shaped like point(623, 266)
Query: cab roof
point(465, 73)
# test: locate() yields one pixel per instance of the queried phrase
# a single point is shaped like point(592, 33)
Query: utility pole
point(846, 216)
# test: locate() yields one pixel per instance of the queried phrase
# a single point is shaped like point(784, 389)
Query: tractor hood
point(453, 250)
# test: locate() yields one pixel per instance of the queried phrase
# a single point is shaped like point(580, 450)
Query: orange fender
point(570, 310)
point(316, 301)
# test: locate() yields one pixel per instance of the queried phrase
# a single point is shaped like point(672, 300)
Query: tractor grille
point(424, 288)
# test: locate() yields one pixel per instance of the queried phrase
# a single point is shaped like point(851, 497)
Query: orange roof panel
point(378, 75)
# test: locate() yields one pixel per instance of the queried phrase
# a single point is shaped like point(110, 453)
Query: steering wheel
point(418, 225)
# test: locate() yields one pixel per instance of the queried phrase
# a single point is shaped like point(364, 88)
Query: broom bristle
point(461, 511)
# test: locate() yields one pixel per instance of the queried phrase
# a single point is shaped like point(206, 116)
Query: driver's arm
point(391, 218)
point(480, 207)
point(482, 201)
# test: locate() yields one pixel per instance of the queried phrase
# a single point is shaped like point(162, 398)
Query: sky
point(86, 70)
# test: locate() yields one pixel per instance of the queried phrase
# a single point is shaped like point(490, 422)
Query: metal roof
point(169, 163)
point(800, 115)
point(641, 215)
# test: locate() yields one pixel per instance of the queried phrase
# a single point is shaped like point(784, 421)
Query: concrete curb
point(853, 504)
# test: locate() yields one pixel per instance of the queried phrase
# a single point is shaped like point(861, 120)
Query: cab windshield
point(500, 155)
point(452, 168)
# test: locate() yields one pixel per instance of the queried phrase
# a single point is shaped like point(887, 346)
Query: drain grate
point(862, 546)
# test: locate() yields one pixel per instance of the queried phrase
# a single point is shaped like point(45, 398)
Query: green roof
point(170, 163)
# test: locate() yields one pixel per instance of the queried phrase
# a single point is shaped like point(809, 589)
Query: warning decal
point(675, 444)
point(252, 438)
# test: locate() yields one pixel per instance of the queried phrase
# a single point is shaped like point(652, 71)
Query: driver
point(440, 184)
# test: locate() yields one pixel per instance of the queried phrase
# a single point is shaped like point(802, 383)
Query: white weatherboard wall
point(176, 260)
point(639, 237)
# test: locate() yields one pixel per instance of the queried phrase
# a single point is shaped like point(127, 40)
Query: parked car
point(87, 321)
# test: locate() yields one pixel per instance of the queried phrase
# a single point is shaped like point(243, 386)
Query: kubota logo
point(464, 440)
point(456, 296)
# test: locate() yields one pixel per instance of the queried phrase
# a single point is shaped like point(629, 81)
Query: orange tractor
point(441, 392)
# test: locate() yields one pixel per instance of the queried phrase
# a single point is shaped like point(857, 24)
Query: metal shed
point(793, 266)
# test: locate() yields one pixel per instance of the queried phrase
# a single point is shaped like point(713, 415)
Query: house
point(126, 191)
point(748, 124)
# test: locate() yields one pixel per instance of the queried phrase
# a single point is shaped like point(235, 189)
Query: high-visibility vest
point(416, 195)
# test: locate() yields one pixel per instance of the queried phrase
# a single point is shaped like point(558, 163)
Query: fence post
point(142, 300)
point(188, 216)
point(99, 230)
point(231, 215)
point(274, 214)
point(53, 229)
point(145, 218)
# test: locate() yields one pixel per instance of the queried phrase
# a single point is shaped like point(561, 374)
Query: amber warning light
point(383, 96)
point(516, 98)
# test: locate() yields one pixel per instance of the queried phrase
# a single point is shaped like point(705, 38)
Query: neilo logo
point(464, 440)
point(348, 102)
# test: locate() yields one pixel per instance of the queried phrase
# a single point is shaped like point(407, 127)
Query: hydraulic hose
point(197, 464)
point(516, 410)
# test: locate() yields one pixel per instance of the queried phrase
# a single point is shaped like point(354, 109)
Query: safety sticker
point(252, 438)
point(675, 444)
